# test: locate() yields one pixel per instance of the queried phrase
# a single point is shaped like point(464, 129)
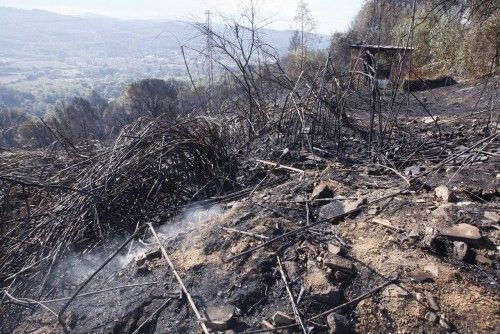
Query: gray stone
point(444, 212)
point(430, 237)
point(432, 269)
point(320, 288)
point(443, 322)
point(444, 194)
point(292, 269)
point(413, 234)
point(414, 170)
point(462, 232)
point(459, 250)
point(281, 319)
point(336, 207)
point(323, 190)
point(337, 262)
point(331, 210)
point(492, 216)
point(220, 318)
point(350, 205)
point(420, 276)
point(334, 249)
point(338, 324)
point(431, 301)
point(483, 260)
point(431, 317)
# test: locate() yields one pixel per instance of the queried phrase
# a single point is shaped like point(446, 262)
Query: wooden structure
point(386, 63)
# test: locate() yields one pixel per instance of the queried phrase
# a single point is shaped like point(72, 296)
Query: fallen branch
point(292, 300)
point(99, 291)
point(154, 314)
point(395, 172)
point(27, 301)
point(278, 166)
point(258, 236)
point(179, 280)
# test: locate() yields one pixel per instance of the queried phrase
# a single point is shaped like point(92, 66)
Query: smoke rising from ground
point(77, 267)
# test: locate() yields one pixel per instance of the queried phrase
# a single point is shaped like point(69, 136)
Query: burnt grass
point(466, 289)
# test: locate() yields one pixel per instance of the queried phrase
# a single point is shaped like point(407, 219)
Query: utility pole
point(210, 65)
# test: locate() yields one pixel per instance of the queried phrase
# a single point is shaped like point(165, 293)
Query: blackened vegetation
point(151, 168)
point(418, 85)
point(337, 195)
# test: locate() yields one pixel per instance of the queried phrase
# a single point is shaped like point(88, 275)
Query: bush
point(152, 97)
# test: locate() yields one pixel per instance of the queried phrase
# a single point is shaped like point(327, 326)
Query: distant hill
point(38, 33)
point(46, 58)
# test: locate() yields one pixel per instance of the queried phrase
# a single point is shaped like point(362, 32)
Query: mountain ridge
point(29, 32)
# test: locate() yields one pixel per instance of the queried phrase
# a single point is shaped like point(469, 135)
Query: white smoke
point(188, 220)
point(76, 267)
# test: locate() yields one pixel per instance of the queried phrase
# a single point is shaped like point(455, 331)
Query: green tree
point(307, 26)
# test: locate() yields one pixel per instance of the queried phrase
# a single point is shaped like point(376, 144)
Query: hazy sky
point(332, 15)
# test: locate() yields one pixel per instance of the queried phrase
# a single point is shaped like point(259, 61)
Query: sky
point(331, 15)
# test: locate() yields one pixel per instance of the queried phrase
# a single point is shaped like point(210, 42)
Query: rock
point(142, 257)
point(337, 262)
point(430, 119)
point(282, 319)
point(431, 301)
point(444, 212)
point(334, 249)
point(338, 324)
point(443, 322)
point(414, 234)
point(292, 269)
point(350, 205)
point(314, 157)
point(338, 207)
point(373, 211)
point(420, 276)
point(266, 324)
point(220, 318)
point(459, 250)
point(384, 222)
point(483, 260)
point(430, 237)
point(431, 317)
point(331, 210)
point(143, 270)
point(320, 288)
point(323, 190)
point(433, 269)
point(444, 194)
point(414, 170)
point(492, 216)
point(462, 232)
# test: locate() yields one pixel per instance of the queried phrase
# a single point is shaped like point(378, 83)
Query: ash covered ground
point(353, 246)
